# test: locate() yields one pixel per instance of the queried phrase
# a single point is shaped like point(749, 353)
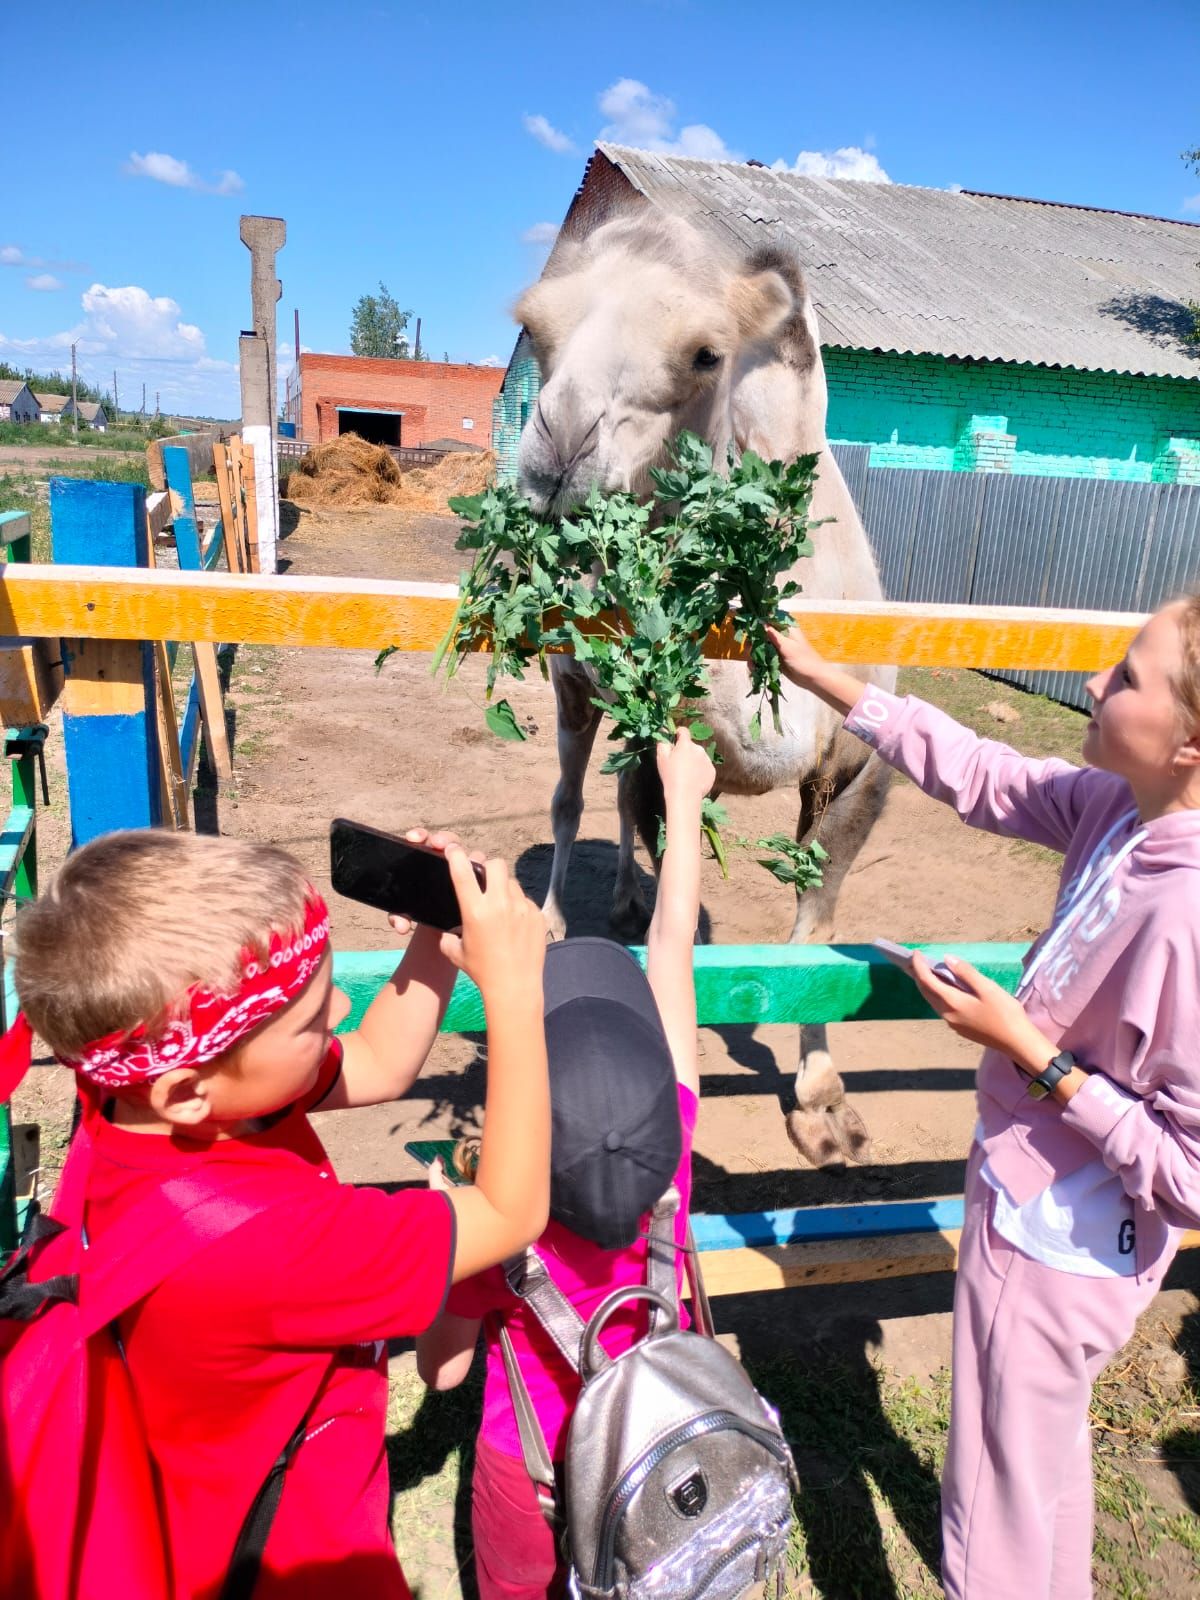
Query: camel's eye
point(706, 358)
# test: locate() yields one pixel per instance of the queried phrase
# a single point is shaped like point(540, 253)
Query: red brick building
point(392, 402)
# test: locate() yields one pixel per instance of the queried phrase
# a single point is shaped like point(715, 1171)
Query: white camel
point(641, 330)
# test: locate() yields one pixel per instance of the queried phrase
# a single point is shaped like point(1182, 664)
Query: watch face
point(1037, 1091)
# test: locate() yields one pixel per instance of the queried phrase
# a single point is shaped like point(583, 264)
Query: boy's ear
point(181, 1096)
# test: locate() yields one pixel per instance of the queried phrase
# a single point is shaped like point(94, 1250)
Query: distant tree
point(377, 327)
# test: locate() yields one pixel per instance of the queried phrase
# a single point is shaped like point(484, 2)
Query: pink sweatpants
point(1029, 1342)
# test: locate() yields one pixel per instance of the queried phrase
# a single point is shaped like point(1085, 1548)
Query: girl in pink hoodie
point(1085, 1170)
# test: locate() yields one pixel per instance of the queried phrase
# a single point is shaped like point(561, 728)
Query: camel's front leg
point(629, 916)
point(578, 722)
point(824, 1127)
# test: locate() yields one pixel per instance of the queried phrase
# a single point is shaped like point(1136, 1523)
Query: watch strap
point(1051, 1076)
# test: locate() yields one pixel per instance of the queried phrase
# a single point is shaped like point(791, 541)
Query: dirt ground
point(320, 733)
point(32, 458)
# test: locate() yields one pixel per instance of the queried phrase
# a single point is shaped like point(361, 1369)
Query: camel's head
point(646, 328)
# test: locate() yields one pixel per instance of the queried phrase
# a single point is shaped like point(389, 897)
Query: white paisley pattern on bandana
point(214, 1022)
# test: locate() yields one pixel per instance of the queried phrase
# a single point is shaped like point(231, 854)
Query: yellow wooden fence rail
point(356, 613)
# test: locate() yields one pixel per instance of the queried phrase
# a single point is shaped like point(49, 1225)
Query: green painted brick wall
point(966, 416)
point(919, 411)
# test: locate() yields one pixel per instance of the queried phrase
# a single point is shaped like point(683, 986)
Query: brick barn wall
point(435, 396)
point(924, 411)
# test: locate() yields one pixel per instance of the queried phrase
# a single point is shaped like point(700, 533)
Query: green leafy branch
point(632, 589)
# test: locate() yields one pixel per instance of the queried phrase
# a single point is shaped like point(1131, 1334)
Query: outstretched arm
point(990, 785)
point(384, 1055)
point(687, 776)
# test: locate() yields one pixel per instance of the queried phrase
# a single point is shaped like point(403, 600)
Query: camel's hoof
point(556, 923)
point(825, 1127)
point(630, 921)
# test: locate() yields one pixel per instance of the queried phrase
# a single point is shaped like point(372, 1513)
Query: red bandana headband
point(212, 1024)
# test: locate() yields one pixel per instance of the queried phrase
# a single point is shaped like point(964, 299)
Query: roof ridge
point(927, 188)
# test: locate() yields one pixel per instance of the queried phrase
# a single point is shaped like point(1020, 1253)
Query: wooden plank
point(250, 495)
point(741, 983)
point(212, 707)
point(199, 447)
point(222, 466)
point(751, 1271)
point(360, 614)
point(159, 511)
point(177, 466)
point(31, 670)
point(14, 837)
point(110, 723)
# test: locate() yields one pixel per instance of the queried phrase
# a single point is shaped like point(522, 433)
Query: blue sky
point(435, 148)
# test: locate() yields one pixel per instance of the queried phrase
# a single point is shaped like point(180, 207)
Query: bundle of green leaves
point(632, 588)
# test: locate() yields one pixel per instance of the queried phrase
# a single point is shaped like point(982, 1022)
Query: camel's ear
point(761, 304)
point(779, 397)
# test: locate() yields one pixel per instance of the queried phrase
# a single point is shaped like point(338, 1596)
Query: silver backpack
point(678, 1481)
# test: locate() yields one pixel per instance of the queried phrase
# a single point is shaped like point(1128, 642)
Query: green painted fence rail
point(747, 983)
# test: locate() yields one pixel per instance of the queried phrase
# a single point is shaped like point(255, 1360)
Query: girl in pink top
point(624, 1079)
point(1085, 1169)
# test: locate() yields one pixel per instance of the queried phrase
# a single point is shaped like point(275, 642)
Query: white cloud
point(146, 338)
point(12, 255)
point(850, 161)
point(1190, 204)
point(44, 282)
point(954, 188)
point(162, 168)
point(638, 116)
point(540, 233)
point(490, 361)
point(546, 133)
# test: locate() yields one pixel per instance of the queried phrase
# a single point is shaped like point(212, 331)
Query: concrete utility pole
point(264, 237)
point(116, 397)
point(74, 395)
point(417, 345)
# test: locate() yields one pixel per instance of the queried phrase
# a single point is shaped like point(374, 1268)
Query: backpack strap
point(661, 1251)
point(155, 1239)
point(245, 1565)
point(702, 1317)
point(527, 1277)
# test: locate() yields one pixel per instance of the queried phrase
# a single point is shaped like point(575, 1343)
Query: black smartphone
point(394, 875)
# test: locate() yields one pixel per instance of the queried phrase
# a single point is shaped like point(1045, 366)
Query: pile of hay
point(350, 472)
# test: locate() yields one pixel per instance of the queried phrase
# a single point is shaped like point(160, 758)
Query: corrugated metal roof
point(968, 275)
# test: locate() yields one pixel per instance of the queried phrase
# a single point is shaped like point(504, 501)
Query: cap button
point(612, 1141)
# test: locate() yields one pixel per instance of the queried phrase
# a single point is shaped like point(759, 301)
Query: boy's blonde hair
point(134, 919)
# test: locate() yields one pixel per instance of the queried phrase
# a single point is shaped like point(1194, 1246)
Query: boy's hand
point(798, 660)
point(686, 770)
point(502, 945)
point(441, 839)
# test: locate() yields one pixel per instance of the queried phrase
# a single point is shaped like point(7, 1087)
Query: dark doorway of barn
point(376, 427)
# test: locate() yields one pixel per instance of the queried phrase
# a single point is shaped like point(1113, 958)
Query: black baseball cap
point(613, 1094)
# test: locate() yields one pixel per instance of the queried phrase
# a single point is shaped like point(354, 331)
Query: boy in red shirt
point(624, 1080)
point(188, 981)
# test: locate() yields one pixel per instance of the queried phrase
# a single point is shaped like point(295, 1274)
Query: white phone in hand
point(901, 956)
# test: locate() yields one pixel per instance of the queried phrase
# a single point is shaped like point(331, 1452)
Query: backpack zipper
point(708, 1422)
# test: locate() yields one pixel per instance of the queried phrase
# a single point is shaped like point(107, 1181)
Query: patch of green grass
point(20, 493)
point(131, 470)
point(1041, 728)
point(869, 1450)
point(59, 435)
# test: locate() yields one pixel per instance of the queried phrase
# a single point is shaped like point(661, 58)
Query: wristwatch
point(1049, 1079)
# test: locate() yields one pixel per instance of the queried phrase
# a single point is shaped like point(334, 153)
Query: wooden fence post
point(110, 728)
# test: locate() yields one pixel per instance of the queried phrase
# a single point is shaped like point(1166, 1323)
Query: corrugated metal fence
point(991, 539)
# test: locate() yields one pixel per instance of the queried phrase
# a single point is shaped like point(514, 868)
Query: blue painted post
point(110, 730)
